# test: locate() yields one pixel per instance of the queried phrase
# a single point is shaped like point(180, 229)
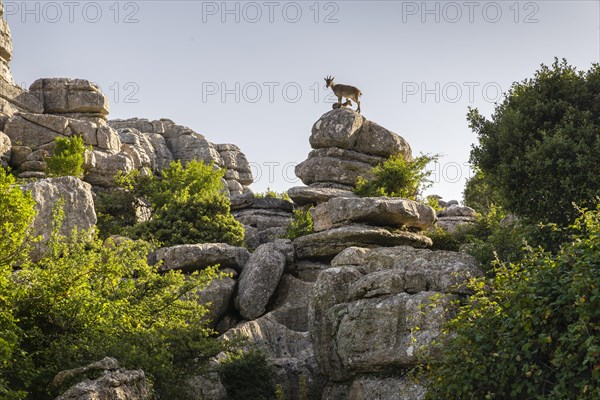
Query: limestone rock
point(5, 150)
point(260, 277)
point(113, 384)
point(306, 270)
point(305, 195)
point(337, 128)
point(103, 166)
point(194, 257)
point(290, 351)
point(373, 211)
point(263, 218)
point(207, 387)
point(376, 140)
point(248, 200)
point(78, 207)
point(36, 130)
point(332, 169)
point(290, 303)
point(327, 244)
point(374, 388)
point(235, 160)
point(218, 294)
point(458, 211)
point(65, 95)
point(19, 155)
point(366, 312)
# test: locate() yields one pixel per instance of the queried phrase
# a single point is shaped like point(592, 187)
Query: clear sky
point(251, 73)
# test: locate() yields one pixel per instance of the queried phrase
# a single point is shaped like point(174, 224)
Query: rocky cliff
point(342, 313)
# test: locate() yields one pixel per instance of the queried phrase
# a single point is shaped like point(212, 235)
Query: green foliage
point(479, 195)
point(16, 215)
point(274, 195)
point(248, 375)
point(87, 299)
point(187, 205)
point(301, 224)
point(116, 210)
point(68, 157)
point(397, 177)
point(541, 149)
point(531, 329)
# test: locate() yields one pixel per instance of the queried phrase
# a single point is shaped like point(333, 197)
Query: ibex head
point(329, 81)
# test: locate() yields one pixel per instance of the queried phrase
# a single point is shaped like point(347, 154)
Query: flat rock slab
point(327, 244)
point(194, 257)
point(305, 195)
point(374, 211)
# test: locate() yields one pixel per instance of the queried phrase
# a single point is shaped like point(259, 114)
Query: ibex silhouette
point(347, 91)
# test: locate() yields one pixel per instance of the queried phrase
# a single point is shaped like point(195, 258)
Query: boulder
point(260, 277)
point(68, 96)
point(78, 207)
point(332, 169)
point(103, 167)
point(307, 271)
point(309, 195)
point(458, 211)
point(337, 128)
point(327, 244)
point(263, 218)
point(113, 383)
point(195, 257)
point(217, 295)
point(373, 211)
point(207, 387)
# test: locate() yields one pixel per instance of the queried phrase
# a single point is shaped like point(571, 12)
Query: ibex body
point(347, 91)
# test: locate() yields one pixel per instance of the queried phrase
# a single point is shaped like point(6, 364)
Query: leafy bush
point(530, 331)
point(541, 150)
point(397, 177)
point(273, 194)
point(187, 205)
point(248, 375)
point(68, 157)
point(301, 224)
point(87, 299)
point(16, 215)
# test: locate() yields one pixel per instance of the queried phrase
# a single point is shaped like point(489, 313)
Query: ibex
point(347, 91)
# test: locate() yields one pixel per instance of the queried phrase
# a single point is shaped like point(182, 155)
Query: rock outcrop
point(454, 216)
point(345, 146)
point(344, 222)
point(114, 383)
point(380, 308)
point(264, 218)
point(176, 142)
point(75, 198)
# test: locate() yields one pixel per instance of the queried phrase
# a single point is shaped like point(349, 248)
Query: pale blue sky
point(418, 64)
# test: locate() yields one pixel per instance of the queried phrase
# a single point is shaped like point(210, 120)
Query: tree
point(531, 330)
point(187, 205)
point(87, 299)
point(541, 149)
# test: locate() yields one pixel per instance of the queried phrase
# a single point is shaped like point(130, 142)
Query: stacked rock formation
point(177, 142)
point(346, 145)
point(264, 218)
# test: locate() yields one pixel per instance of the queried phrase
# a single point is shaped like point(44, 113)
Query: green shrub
point(397, 177)
point(479, 195)
point(248, 375)
point(301, 224)
point(541, 150)
point(187, 205)
point(531, 330)
point(68, 157)
point(17, 211)
point(87, 299)
point(274, 195)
